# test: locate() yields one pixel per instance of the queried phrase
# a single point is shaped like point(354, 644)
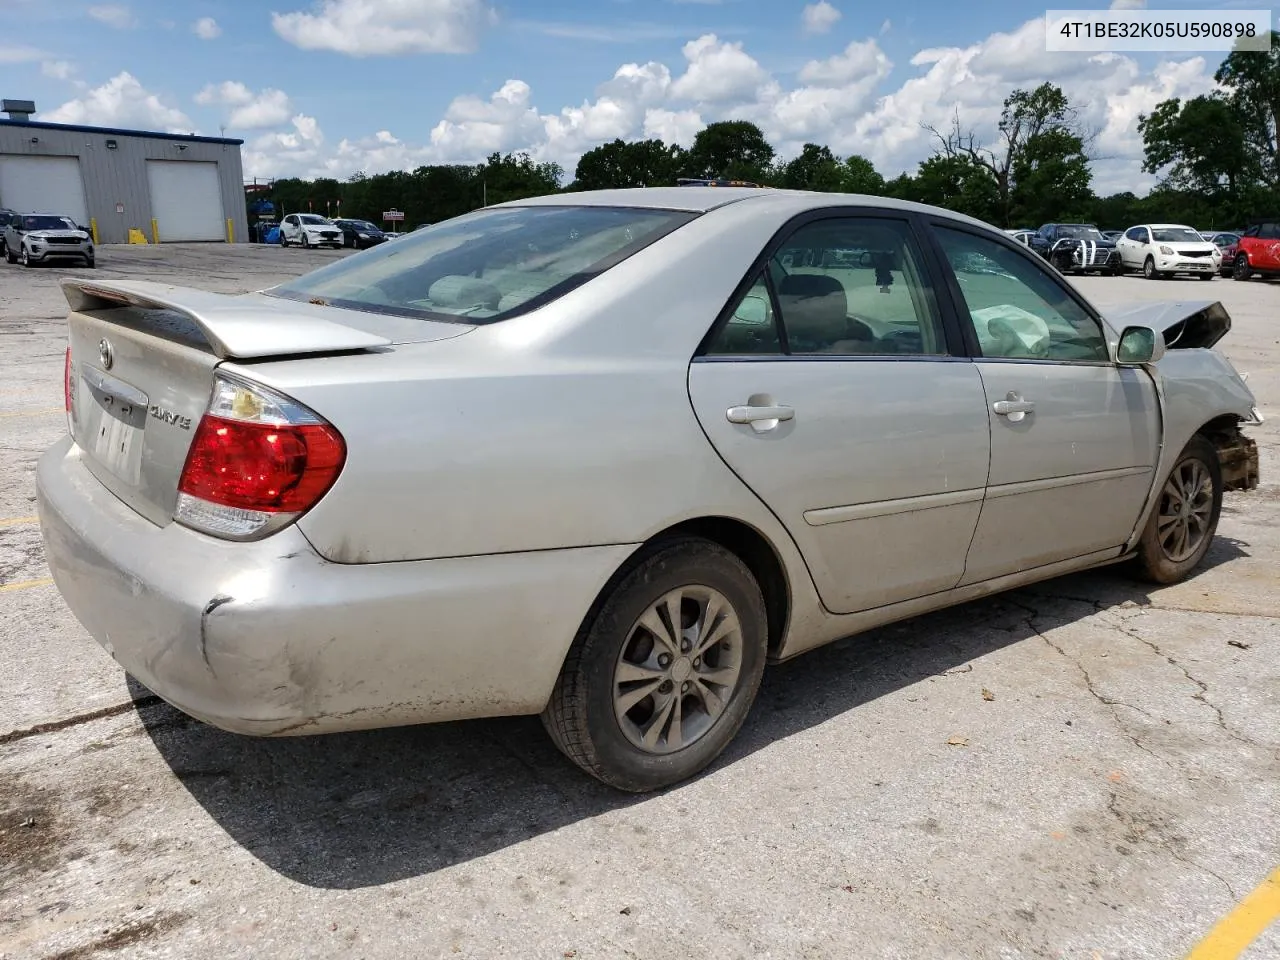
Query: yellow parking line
point(24, 584)
point(47, 411)
point(15, 521)
point(1239, 928)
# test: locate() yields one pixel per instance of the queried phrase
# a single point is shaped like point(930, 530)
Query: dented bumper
point(268, 638)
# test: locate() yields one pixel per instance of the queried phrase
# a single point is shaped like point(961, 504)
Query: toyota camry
point(603, 457)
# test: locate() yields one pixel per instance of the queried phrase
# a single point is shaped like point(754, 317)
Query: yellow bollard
point(155, 230)
point(231, 234)
point(93, 230)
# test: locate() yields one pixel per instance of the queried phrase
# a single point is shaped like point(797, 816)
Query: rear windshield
point(47, 223)
point(487, 265)
point(1176, 235)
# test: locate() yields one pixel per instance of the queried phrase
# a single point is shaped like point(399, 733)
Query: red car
point(1258, 251)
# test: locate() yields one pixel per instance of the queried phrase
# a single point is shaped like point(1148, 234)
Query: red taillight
point(66, 380)
point(258, 460)
point(270, 468)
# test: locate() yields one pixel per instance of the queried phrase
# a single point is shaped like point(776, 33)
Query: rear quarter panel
point(567, 427)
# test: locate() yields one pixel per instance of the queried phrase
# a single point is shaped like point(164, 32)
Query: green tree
point(1201, 145)
point(858, 175)
point(736, 149)
point(958, 183)
point(1252, 82)
point(516, 176)
point(816, 168)
point(1026, 116)
point(644, 163)
point(1051, 179)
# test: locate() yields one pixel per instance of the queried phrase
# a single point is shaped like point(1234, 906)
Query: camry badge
point(105, 352)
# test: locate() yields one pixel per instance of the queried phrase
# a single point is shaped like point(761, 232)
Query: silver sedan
point(603, 456)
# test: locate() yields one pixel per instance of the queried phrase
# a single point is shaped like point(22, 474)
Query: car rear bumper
point(268, 638)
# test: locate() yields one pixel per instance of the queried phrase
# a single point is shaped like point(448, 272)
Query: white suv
point(309, 230)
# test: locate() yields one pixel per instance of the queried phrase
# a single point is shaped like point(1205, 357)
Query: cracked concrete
point(1088, 768)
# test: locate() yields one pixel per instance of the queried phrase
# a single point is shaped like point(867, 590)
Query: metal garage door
point(186, 200)
point(43, 185)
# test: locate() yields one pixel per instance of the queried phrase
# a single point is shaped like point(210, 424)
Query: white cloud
point(249, 110)
point(122, 102)
point(839, 101)
point(113, 15)
point(206, 28)
point(719, 73)
point(20, 54)
point(57, 69)
point(819, 17)
point(231, 92)
point(362, 28)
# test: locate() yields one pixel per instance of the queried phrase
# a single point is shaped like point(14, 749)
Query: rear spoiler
point(1186, 324)
point(240, 327)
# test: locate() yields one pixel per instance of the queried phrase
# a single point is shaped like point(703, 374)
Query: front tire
point(25, 259)
point(1240, 269)
point(1149, 270)
point(1182, 524)
point(663, 672)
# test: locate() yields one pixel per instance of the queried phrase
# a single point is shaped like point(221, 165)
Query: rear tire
point(641, 706)
point(1184, 519)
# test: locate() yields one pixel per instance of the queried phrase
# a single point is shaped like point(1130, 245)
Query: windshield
point(361, 225)
point(1080, 233)
point(487, 265)
point(47, 223)
point(1176, 235)
point(311, 218)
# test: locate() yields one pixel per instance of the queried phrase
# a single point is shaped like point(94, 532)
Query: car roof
point(706, 199)
point(1170, 226)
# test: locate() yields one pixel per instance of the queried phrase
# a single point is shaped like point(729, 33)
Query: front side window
point(1136, 233)
point(487, 265)
point(1019, 311)
point(1269, 231)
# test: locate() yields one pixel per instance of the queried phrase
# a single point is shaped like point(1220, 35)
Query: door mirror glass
point(753, 311)
point(1139, 345)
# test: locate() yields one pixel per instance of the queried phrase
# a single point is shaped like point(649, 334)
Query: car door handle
point(1013, 407)
point(761, 418)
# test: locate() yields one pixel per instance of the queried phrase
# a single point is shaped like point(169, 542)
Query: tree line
point(1217, 154)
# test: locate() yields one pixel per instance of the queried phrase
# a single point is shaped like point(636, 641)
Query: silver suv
point(32, 238)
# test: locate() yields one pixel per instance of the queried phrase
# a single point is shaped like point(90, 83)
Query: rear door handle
point(1013, 407)
point(762, 418)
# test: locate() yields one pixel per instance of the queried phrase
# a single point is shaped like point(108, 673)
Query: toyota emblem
point(104, 351)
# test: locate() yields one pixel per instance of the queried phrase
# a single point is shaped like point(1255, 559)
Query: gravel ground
point(1085, 769)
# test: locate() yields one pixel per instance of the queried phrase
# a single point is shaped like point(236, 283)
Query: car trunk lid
point(141, 363)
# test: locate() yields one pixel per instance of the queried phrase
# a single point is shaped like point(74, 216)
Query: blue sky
point(340, 85)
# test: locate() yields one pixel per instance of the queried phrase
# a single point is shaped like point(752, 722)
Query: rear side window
point(488, 265)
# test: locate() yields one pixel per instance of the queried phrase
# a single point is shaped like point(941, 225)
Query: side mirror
point(1139, 346)
point(752, 310)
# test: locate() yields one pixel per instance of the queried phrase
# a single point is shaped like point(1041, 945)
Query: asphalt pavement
point(1089, 768)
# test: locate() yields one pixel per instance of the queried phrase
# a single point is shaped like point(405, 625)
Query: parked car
point(1077, 248)
point(35, 238)
point(309, 230)
point(1162, 250)
point(565, 456)
point(1227, 243)
point(1257, 251)
point(360, 234)
point(1024, 237)
point(1112, 235)
point(5, 216)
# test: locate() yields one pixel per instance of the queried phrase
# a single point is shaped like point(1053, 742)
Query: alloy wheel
point(678, 669)
point(1186, 510)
